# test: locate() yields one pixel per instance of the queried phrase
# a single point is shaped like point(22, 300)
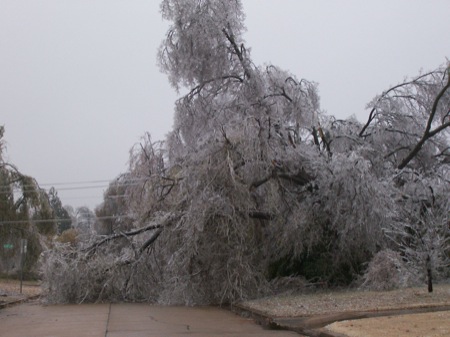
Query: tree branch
point(427, 133)
point(261, 215)
point(195, 91)
point(165, 222)
point(262, 181)
point(237, 50)
point(151, 240)
point(301, 178)
point(372, 113)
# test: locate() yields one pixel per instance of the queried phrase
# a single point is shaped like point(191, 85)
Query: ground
point(433, 324)
point(10, 290)
point(338, 304)
point(324, 302)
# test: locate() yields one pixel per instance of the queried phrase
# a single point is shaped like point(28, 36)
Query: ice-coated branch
point(159, 225)
point(428, 133)
point(373, 112)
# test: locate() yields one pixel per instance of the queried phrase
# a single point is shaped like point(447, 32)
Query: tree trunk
point(429, 275)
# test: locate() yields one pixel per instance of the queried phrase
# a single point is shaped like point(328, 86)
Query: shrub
point(387, 271)
point(68, 236)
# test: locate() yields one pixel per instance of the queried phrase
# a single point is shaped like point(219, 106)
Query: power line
point(81, 188)
point(77, 183)
point(4, 189)
point(19, 222)
point(83, 197)
point(125, 181)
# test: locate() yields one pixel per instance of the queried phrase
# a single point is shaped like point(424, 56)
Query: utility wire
point(108, 182)
point(103, 183)
point(83, 197)
point(18, 222)
point(77, 183)
point(5, 189)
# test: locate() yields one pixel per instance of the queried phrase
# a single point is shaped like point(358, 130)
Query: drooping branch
point(197, 90)
point(116, 236)
point(151, 240)
point(280, 94)
point(372, 113)
point(159, 226)
point(261, 215)
point(261, 181)
point(301, 178)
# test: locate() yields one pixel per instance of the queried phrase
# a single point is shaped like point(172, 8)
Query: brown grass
point(432, 324)
point(290, 305)
point(10, 290)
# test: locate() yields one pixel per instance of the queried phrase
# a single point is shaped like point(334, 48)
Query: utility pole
point(23, 252)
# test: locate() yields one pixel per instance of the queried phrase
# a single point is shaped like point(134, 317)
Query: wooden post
point(429, 275)
point(23, 251)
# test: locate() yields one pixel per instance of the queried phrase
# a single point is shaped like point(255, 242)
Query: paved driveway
point(125, 320)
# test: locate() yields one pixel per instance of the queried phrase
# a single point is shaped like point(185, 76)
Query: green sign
point(8, 246)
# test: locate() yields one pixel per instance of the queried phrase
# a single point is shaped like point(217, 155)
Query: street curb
point(19, 301)
point(260, 318)
point(314, 325)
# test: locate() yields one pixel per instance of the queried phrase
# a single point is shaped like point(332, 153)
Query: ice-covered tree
point(63, 220)
point(410, 122)
point(408, 130)
point(231, 170)
point(25, 213)
point(253, 180)
point(112, 213)
point(85, 220)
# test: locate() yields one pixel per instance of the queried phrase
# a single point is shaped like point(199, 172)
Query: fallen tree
point(254, 182)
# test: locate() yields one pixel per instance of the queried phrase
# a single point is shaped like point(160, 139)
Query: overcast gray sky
point(79, 84)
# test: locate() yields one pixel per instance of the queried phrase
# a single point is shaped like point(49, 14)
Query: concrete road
point(125, 320)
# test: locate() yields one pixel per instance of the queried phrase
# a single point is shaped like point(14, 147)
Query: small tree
point(63, 221)
point(422, 232)
point(408, 126)
point(84, 221)
point(112, 214)
point(22, 202)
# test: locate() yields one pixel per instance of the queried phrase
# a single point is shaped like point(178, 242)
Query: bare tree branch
point(428, 133)
point(237, 50)
point(261, 215)
point(164, 222)
point(151, 240)
point(372, 113)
